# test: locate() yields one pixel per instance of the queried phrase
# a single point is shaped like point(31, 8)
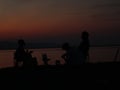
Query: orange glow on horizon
point(42, 28)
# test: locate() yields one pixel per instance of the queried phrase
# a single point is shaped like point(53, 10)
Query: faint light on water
point(6, 58)
point(103, 54)
point(97, 54)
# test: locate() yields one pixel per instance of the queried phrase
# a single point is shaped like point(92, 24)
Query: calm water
point(97, 54)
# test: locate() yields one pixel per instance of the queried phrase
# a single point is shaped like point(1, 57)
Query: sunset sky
point(60, 20)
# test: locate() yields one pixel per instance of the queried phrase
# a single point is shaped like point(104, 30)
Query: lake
point(97, 54)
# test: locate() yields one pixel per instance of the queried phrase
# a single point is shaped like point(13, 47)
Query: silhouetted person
point(24, 57)
point(69, 56)
point(20, 54)
point(84, 47)
point(45, 59)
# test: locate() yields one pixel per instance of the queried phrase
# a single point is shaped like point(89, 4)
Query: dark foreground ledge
point(98, 76)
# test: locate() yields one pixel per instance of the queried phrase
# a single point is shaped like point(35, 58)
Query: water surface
point(97, 54)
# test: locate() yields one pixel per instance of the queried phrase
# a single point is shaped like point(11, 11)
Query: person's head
point(21, 42)
point(65, 46)
point(85, 35)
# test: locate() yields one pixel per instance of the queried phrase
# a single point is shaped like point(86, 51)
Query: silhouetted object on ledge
point(45, 59)
point(24, 58)
point(84, 47)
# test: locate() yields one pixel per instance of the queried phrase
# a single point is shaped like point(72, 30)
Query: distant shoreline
point(117, 46)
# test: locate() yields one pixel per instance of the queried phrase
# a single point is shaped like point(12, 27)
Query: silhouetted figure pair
point(22, 57)
point(79, 55)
